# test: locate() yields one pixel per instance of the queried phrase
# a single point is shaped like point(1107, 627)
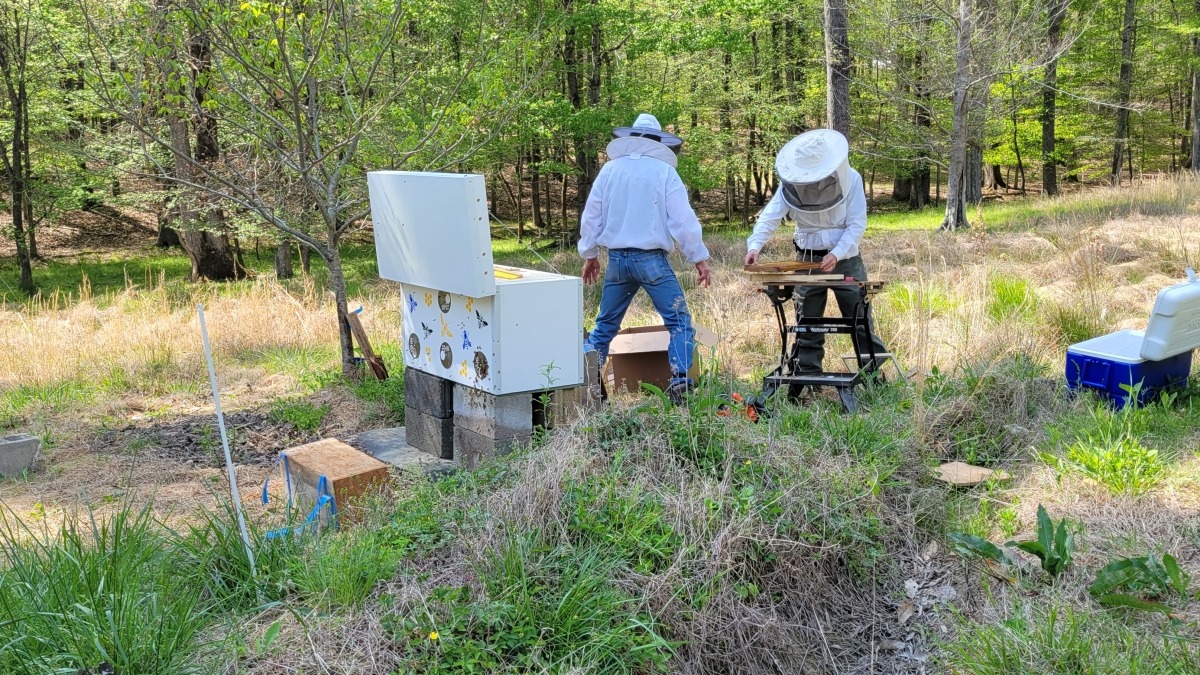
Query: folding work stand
point(788, 373)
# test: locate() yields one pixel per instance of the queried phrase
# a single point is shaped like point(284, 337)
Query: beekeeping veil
point(814, 170)
point(645, 137)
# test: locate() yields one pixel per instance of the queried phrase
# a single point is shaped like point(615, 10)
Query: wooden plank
point(374, 361)
point(784, 266)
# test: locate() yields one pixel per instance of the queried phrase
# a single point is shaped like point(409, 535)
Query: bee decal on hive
point(470, 303)
point(414, 345)
point(479, 317)
point(481, 365)
point(466, 346)
point(446, 355)
point(444, 301)
point(446, 332)
point(462, 371)
point(426, 329)
point(429, 299)
point(412, 302)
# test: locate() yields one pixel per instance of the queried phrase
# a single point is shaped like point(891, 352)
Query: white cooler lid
point(1174, 326)
point(1121, 346)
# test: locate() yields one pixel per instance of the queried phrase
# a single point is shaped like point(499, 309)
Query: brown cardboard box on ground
point(639, 355)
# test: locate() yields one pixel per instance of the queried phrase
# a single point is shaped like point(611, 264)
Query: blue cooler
point(1158, 358)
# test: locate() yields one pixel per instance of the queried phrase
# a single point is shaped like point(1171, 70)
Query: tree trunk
point(535, 161)
point(918, 193)
point(1195, 157)
point(901, 189)
point(1057, 10)
point(18, 100)
point(918, 187)
point(1124, 86)
point(973, 186)
point(337, 282)
point(727, 131)
point(520, 199)
point(305, 259)
point(284, 269)
point(167, 235)
point(837, 59)
point(956, 216)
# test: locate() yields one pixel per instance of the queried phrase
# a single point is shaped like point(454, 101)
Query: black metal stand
point(788, 373)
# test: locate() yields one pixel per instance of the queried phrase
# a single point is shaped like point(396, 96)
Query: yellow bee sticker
point(429, 299)
point(446, 332)
point(462, 372)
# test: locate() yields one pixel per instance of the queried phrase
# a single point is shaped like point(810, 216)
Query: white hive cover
point(1174, 326)
point(432, 230)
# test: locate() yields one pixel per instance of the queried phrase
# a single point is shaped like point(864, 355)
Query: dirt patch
point(102, 230)
point(254, 439)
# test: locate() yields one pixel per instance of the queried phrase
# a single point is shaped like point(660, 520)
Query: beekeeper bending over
point(824, 197)
point(638, 209)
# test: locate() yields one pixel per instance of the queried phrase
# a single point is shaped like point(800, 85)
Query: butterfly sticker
point(462, 372)
point(470, 304)
point(466, 342)
point(412, 304)
point(426, 329)
point(446, 332)
point(429, 299)
point(479, 317)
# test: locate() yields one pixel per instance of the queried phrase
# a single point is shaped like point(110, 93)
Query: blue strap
point(324, 498)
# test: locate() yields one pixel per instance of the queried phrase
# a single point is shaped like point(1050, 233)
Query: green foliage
point(1123, 465)
point(341, 568)
point(970, 546)
point(1136, 583)
point(539, 608)
point(1010, 297)
point(1049, 637)
point(389, 393)
point(1107, 446)
point(628, 527)
point(299, 412)
point(104, 589)
point(1054, 546)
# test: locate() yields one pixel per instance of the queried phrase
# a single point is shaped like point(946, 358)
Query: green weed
point(299, 412)
point(541, 609)
point(342, 568)
point(1136, 583)
point(102, 590)
point(1054, 546)
point(1010, 297)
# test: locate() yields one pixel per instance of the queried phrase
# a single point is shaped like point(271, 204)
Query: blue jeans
point(628, 270)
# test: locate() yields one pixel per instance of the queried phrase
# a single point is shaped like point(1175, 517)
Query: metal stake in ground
point(233, 488)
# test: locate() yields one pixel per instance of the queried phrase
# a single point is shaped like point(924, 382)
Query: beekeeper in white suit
point(638, 209)
point(824, 197)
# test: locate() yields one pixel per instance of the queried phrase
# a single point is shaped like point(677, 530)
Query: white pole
point(237, 500)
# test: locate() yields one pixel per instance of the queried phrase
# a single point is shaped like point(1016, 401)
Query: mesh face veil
point(813, 170)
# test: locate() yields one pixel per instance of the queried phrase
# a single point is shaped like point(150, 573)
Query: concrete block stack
point(429, 413)
point(487, 425)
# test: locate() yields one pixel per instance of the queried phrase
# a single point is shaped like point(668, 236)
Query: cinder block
point(350, 475)
point(429, 394)
point(18, 454)
point(491, 415)
point(471, 449)
point(429, 434)
point(568, 405)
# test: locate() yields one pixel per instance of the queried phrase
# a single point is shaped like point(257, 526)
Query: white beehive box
point(501, 330)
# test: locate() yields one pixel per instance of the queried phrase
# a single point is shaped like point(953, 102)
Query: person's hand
point(751, 257)
point(705, 273)
point(591, 271)
point(828, 262)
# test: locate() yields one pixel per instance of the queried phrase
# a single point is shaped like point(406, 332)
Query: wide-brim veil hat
point(645, 137)
point(810, 158)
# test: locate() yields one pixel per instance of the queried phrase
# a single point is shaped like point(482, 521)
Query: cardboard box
point(639, 355)
point(350, 475)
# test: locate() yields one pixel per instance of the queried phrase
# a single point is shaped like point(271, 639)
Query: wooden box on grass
point(350, 475)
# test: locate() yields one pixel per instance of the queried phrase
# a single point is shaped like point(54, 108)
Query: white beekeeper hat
point(645, 137)
point(813, 170)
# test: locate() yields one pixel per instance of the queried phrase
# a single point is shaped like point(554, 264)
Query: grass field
point(646, 538)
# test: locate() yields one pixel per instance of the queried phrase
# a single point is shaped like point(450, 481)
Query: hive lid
point(432, 230)
point(1174, 326)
